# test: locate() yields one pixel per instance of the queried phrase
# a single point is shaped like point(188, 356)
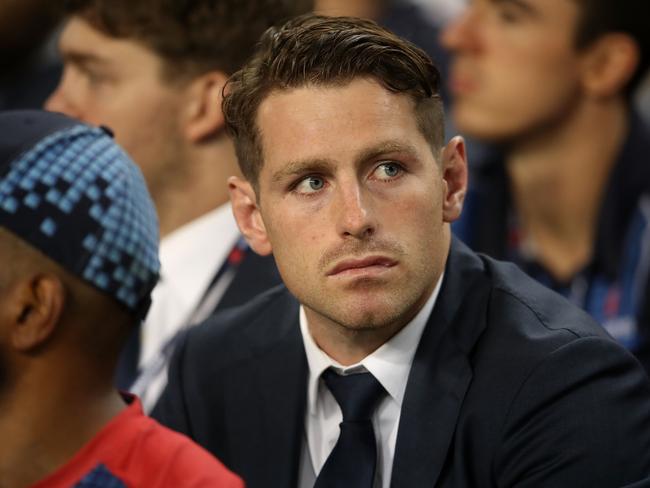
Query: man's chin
point(364, 318)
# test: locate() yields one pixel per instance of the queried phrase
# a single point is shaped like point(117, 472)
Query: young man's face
point(352, 202)
point(515, 67)
point(118, 83)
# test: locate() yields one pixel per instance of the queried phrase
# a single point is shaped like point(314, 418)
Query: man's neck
point(558, 178)
point(44, 423)
point(346, 346)
point(203, 187)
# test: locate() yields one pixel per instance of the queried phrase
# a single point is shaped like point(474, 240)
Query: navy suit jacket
point(254, 275)
point(510, 386)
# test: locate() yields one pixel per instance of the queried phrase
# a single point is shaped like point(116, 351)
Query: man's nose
point(356, 217)
point(460, 32)
point(59, 101)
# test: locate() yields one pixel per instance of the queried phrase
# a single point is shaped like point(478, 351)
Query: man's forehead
point(80, 40)
point(317, 126)
point(82, 44)
point(78, 32)
point(533, 7)
point(329, 98)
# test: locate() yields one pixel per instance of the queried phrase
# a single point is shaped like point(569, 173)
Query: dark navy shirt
point(614, 286)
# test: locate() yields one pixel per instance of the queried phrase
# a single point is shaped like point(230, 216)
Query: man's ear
point(609, 64)
point(248, 216)
point(454, 177)
point(35, 307)
point(203, 117)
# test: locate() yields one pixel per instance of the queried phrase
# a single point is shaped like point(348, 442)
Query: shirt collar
point(191, 255)
point(390, 364)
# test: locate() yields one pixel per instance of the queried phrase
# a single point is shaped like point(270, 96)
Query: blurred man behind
point(153, 71)
point(78, 236)
point(551, 82)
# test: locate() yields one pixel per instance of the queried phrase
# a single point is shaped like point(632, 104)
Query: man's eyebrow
point(385, 148)
point(81, 58)
point(320, 165)
point(521, 4)
point(301, 167)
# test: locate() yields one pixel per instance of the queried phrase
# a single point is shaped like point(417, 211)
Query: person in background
point(568, 195)
point(406, 18)
point(79, 239)
point(153, 71)
point(395, 356)
point(29, 65)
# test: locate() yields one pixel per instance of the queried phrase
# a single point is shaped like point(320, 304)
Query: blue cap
point(71, 192)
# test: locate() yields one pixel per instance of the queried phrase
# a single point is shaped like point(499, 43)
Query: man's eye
point(387, 171)
point(93, 76)
point(508, 16)
point(311, 184)
point(511, 13)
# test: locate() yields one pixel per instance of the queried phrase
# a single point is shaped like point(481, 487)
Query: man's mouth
point(370, 264)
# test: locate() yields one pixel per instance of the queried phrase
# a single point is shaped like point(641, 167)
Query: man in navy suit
point(394, 356)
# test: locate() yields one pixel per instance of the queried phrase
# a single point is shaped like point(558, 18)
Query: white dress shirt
point(189, 259)
point(390, 365)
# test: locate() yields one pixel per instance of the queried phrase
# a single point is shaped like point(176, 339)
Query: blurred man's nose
point(61, 100)
point(459, 34)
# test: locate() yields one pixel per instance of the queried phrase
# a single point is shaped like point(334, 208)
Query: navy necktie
point(353, 460)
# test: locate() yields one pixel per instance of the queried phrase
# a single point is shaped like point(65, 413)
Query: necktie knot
point(356, 394)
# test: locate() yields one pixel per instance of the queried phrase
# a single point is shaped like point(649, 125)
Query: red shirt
point(142, 453)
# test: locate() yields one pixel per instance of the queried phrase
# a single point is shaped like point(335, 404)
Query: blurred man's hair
point(192, 36)
point(631, 17)
point(328, 51)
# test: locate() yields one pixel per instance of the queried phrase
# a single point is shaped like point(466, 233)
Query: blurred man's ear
point(34, 307)
point(609, 64)
point(202, 115)
point(454, 174)
point(248, 216)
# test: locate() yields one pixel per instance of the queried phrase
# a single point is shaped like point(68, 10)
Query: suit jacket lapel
point(254, 275)
point(272, 412)
point(441, 373)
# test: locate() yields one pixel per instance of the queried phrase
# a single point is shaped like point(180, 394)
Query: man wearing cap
point(78, 239)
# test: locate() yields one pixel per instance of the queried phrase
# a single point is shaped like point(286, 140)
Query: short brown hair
point(192, 36)
point(316, 50)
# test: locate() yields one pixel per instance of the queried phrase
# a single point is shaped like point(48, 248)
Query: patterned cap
point(68, 190)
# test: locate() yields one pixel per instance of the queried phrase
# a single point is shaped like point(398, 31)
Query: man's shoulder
point(518, 297)
point(239, 332)
point(507, 301)
point(534, 367)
